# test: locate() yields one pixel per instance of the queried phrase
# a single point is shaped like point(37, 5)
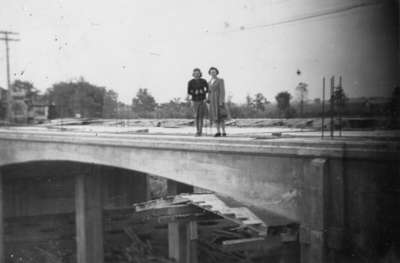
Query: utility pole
point(4, 36)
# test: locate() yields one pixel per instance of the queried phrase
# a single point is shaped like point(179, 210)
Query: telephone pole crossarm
point(8, 32)
point(8, 39)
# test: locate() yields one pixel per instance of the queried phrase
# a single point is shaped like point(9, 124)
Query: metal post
point(323, 108)
point(340, 108)
point(332, 105)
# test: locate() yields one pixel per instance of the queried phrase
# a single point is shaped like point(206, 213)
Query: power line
point(306, 17)
point(5, 37)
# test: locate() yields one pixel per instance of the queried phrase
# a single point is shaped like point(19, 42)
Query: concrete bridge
point(327, 186)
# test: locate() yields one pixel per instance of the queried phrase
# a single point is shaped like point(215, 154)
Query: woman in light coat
point(217, 112)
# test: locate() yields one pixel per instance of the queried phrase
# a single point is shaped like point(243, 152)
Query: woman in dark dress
point(198, 89)
point(217, 112)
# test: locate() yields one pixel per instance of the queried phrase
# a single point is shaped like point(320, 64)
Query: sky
point(125, 45)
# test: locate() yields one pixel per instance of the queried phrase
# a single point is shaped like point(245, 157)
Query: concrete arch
point(47, 187)
point(268, 183)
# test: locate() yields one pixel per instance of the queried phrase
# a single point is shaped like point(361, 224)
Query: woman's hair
point(197, 70)
point(213, 68)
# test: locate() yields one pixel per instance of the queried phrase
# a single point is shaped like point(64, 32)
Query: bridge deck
point(310, 144)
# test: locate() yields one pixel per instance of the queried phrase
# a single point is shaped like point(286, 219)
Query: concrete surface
point(263, 173)
point(273, 176)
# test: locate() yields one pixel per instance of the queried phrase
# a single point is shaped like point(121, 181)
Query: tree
point(260, 101)
point(283, 103)
point(24, 94)
point(249, 108)
point(3, 103)
point(302, 93)
point(81, 97)
point(110, 104)
point(339, 98)
point(175, 108)
point(143, 103)
point(24, 90)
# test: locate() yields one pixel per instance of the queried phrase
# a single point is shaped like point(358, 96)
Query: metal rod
point(323, 108)
point(332, 105)
point(341, 106)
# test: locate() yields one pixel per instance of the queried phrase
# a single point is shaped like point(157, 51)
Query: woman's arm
point(221, 92)
point(207, 92)
point(190, 90)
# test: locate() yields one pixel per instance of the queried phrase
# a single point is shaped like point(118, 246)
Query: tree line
point(83, 99)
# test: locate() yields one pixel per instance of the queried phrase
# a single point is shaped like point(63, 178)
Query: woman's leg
point(201, 117)
point(223, 126)
point(218, 126)
point(197, 125)
point(197, 117)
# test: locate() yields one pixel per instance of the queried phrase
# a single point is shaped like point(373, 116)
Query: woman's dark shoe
point(217, 134)
point(224, 134)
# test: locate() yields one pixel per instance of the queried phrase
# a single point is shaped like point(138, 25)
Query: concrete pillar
point(2, 253)
point(89, 217)
point(175, 188)
point(313, 209)
point(182, 241)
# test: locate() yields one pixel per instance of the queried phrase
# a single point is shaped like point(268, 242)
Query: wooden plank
point(2, 256)
point(187, 218)
point(247, 244)
point(89, 218)
point(208, 201)
point(240, 215)
point(168, 210)
point(155, 204)
point(248, 217)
